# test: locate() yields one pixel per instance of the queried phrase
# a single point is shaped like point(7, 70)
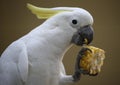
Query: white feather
point(36, 58)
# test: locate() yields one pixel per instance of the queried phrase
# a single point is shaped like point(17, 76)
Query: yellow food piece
point(92, 61)
point(85, 41)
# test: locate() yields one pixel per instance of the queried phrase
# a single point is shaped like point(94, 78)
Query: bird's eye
point(74, 21)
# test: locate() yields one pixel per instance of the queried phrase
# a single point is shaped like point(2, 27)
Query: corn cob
point(92, 61)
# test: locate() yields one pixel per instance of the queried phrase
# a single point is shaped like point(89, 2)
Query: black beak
point(83, 36)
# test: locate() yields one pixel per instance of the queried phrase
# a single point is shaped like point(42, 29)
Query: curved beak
point(83, 36)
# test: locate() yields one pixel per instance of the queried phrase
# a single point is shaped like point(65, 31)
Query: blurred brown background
point(16, 20)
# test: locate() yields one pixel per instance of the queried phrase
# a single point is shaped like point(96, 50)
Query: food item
point(92, 60)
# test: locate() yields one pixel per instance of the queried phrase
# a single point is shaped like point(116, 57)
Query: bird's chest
point(43, 72)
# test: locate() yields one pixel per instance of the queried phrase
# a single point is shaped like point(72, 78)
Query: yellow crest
point(43, 13)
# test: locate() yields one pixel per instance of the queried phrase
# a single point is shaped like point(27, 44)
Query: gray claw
point(78, 69)
point(76, 76)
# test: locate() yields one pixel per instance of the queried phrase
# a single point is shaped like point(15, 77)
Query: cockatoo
point(36, 58)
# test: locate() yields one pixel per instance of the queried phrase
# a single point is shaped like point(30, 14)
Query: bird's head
point(78, 20)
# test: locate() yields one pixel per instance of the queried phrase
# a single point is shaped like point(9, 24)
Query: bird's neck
point(56, 40)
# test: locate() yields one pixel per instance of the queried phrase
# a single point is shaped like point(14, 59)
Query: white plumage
point(36, 58)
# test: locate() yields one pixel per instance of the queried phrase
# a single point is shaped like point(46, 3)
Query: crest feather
point(43, 13)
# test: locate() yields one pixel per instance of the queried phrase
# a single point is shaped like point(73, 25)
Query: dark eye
point(74, 21)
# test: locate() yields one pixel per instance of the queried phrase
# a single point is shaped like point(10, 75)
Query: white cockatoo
point(36, 58)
